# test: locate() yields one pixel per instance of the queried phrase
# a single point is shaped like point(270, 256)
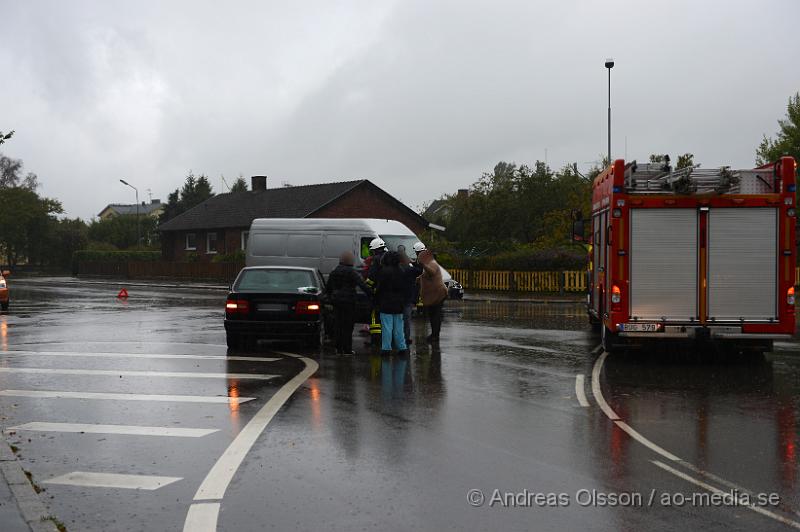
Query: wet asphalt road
point(375, 444)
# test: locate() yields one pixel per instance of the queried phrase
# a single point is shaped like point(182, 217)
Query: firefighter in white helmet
point(372, 265)
point(419, 246)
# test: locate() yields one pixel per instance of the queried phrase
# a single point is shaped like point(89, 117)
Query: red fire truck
point(693, 254)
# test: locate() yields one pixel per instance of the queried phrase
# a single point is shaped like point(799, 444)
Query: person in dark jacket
point(411, 270)
point(341, 289)
point(390, 291)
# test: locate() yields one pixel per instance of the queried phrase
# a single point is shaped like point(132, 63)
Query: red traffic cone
point(123, 294)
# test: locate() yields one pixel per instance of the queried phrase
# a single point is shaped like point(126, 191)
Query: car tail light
point(307, 307)
point(237, 306)
point(616, 294)
point(790, 296)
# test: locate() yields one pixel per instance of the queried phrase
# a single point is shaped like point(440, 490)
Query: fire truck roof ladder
point(656, 178)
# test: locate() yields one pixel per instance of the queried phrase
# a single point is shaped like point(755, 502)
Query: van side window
point(304, 246)
point(335, 245)
point(365, 246)
point(268, 245)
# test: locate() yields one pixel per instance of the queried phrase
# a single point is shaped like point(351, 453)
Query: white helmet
point(419, 246)
point(376, 244)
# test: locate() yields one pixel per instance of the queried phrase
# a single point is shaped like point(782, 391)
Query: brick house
point(220, 224)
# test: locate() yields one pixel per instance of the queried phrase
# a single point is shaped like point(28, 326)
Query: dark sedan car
point(274, 302)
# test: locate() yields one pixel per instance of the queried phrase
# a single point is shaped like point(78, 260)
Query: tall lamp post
point(138, 235)
point(609, 66)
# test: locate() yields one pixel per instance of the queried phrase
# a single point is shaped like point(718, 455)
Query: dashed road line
point(113, 480)
point(580, 392)
point(132, 430)
point(157, 356)
point(213, 487)
point(131, 373)
point(54, 394)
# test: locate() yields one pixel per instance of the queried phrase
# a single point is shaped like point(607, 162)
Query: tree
point(240, 185)
point(24, 220)
point(120, 231)
point(195, 190)
point(6, 136)
point(787, 141)
point(684, 161)
point(64, 237)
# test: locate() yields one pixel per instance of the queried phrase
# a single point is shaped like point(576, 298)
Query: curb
point(33, 510)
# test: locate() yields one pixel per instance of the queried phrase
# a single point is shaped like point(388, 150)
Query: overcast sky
point(420, 97)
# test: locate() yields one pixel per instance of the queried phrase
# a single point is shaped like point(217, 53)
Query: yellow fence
point(571, 281)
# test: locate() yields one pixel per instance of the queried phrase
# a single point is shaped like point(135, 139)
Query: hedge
point(116, 256)
point(525, 260)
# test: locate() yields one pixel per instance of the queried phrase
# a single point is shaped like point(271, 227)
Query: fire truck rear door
point(742, 263)
point(663, 259)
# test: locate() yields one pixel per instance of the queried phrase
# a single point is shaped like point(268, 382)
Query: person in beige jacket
point(432, 290)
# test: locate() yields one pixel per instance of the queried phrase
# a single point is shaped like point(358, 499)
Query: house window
point(245, 234)
point(191, 241)
point(211, 242)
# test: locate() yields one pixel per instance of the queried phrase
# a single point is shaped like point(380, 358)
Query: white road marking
point(580, 392)
point(133, 430)
point(130, 373)
point(219, 477)
point(669, 456)
point(713, 489)
point(647, 443)
point(202, 517)
point(54, 394)
point(597, 392)
point(112, 480)
point(138, 355)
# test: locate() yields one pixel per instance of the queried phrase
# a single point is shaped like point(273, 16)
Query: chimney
point(258, 182)
point(463, 193)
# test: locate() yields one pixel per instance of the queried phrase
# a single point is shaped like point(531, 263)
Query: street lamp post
point(138, 235)
point(609, 66)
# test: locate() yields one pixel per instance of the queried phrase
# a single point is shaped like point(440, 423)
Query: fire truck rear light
point(620, 203)
point(790, 296)
point(790, 212)
point(787, 201)
point(617, 213)
point(616, 295)
point(617, 190)
point(787, 252)
point(791, 188)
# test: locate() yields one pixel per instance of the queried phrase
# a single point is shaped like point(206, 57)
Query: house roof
point(123, 209)
point(435, 207)
point(239, 209)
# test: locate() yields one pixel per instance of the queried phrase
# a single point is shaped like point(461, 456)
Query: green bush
point(116, 256)
point(527, 259)
point(236, 256)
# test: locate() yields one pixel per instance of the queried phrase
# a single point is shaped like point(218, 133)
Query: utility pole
point(138, 232)
point(609, 66)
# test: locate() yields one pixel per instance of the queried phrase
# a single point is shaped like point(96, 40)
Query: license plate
point(641, 327)
point(271, 307)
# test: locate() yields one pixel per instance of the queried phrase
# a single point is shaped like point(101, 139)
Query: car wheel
point(234, 341)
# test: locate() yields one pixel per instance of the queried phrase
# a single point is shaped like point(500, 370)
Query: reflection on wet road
point(384, 443)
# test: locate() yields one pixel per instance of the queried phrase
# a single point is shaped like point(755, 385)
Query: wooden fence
point(569, 281)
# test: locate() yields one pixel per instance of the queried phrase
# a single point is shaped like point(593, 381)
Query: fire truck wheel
point(610, 340)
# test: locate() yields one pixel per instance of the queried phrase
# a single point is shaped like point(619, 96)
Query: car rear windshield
point(275, 280)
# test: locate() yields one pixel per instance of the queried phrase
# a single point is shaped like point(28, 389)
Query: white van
point(318, 242)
